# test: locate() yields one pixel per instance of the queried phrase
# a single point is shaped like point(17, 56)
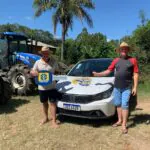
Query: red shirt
point(124, 69)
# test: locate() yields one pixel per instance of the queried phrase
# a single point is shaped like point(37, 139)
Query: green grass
point(144, 90)
point(144, 81)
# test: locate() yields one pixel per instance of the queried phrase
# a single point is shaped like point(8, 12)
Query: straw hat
point(45, 49)
point(123, 44)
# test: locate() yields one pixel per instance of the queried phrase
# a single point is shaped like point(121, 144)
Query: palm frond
point(56, 19)
point(86, 3)
point(41, 6)
point(87, 17)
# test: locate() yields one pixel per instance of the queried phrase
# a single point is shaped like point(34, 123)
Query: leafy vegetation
point(87, 45)
point(63, 12)
point(38, 35)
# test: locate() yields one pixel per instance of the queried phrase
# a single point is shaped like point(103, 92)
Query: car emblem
point(72, 98)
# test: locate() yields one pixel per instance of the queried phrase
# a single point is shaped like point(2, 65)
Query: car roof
point(97, 59)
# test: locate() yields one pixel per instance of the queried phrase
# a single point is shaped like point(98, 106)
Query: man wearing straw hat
point(126, 72)
point(47, 92)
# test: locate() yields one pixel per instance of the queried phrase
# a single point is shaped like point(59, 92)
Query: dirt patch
point(19, 129)
point(144, 106)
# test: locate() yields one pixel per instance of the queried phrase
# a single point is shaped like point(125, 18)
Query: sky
point(113, 18)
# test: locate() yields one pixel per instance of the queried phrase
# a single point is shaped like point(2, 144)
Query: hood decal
point(84, 85)
point(82, 81)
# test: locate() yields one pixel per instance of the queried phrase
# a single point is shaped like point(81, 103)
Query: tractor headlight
point(104, 95)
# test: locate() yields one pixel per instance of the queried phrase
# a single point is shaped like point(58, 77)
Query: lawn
point(20, 129)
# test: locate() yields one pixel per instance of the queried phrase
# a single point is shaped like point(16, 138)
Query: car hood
point(84, 85)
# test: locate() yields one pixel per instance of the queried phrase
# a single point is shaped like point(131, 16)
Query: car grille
point(77, 98)
point(96, 114)
point(84, 99)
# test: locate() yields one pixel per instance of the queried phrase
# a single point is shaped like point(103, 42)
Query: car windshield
point(85, 68)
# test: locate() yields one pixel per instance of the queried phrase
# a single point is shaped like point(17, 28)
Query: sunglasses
point(124, 49)
point(45, 56)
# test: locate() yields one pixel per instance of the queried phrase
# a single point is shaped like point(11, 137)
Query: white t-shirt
point(50, 66)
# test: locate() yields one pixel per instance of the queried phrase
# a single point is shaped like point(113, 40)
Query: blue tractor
point(16, 60)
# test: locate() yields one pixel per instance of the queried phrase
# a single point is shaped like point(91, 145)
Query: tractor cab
point(16, 59)
point(14, 49)
point(10, 44)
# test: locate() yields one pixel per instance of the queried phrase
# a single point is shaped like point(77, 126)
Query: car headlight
point(104, 95)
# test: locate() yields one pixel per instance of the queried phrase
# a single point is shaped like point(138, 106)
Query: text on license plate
point(72, 107)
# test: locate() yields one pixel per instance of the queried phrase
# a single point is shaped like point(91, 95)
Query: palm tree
point(64, 13)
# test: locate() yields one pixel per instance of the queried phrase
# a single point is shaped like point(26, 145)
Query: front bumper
point(94, 110)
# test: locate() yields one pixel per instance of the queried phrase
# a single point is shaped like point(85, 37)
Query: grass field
point(20, 129)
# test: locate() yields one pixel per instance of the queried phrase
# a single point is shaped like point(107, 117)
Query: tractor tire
point(5, 89)
point(21, 80)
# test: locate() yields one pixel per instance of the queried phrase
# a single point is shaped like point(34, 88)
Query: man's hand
point(34, 73)
point(101, 74)
point(94, 73)
point(134, 91)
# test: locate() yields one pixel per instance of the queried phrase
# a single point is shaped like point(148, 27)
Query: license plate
point(72, 107)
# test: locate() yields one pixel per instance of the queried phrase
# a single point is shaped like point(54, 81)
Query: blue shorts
point(121, 97)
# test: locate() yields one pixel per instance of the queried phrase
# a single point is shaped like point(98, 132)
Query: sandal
point(125, 131)
point(116, 124)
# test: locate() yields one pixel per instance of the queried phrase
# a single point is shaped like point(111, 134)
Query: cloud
point(108, 40)
point(57, 37)
point(28, 18)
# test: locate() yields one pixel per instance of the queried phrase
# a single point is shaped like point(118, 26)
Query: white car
point(84, 95)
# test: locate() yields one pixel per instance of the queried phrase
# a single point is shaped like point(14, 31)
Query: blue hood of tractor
point(27, 58)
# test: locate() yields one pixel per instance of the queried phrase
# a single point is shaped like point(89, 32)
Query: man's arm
point(135, 76)
point(108, 71)
point(34, 71)
point(101, 74)
point(135, 84)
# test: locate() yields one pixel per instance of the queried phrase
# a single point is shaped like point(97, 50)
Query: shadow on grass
point(12, 105)
point(139, 119)
point(88, 122)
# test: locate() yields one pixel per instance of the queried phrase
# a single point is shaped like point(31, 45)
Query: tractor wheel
point(5, 89)
point(21, 80)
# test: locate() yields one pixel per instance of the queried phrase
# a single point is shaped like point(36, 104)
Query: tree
point(141, 37)
point(94, 45)
point(142, 17)
point(88, 46)
point(64, 12)
point(38, 35)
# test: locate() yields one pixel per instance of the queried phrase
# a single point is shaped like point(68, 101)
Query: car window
point(86, 68)
point(78, 70)
point(99, 66)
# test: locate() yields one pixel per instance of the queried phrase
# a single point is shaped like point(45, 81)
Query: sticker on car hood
point(84, 86)
point(82, 81)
